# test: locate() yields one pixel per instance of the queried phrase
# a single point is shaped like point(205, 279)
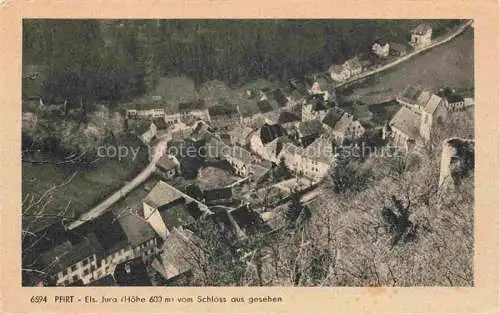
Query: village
point(239, 169)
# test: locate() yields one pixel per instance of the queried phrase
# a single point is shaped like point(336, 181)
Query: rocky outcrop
point(457, 160)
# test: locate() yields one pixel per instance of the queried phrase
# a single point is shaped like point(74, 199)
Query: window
point(92, 268)
point(65, 272)
point(86, 272)
point(73, 268)
point(75, 277)
point(85, 262)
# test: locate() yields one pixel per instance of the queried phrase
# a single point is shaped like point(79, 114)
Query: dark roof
point(287, 116)
point(66, 254)
point(269, 132)
point(139, 127)
point(136, 228)
point(109, 232)
point(247, 219)
point(189, 106)
point(132, 273)
point(217, 194)
point(318, 102)
point(194, 191)
point(280, 97)
point(310, 127)
point(333, 116)
point(101, 236)
point(264, 106)
point(176, 214)
point(106, 281)
point(202, 131)
point(160, 123)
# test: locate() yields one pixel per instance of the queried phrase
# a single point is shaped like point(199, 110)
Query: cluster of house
point(421, 36)
point(152, 244)
point(421, 112)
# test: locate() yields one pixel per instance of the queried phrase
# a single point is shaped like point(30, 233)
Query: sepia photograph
point(247, 153)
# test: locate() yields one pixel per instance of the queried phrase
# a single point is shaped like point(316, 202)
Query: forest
point(110, 61)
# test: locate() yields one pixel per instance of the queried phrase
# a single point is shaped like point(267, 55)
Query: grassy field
point(451, 64)
point(90, 185)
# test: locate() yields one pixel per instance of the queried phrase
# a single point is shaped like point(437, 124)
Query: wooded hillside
point(115, 60)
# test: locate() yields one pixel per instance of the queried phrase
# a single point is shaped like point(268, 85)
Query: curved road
point(116, 196)
point(408, 56)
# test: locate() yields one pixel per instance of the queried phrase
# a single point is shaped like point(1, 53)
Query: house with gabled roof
point(342, 126)
point(146, 110)
point(244, 163)
point(132, 273)
point(338, 73)
point(168, 165)
point(279, 96)
point(434, 113)
point(414, 97)
point(308, 132)
point(266, 142)
point(409, 127)
point(218, 196)
point(178, 256)
point(381, 48)
point(294, 98)
point(403, 129)
point(421, 36)
point(166, 208)
point(320, 85)
point(313, 161)
point(93, 250)
point(452, 100)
